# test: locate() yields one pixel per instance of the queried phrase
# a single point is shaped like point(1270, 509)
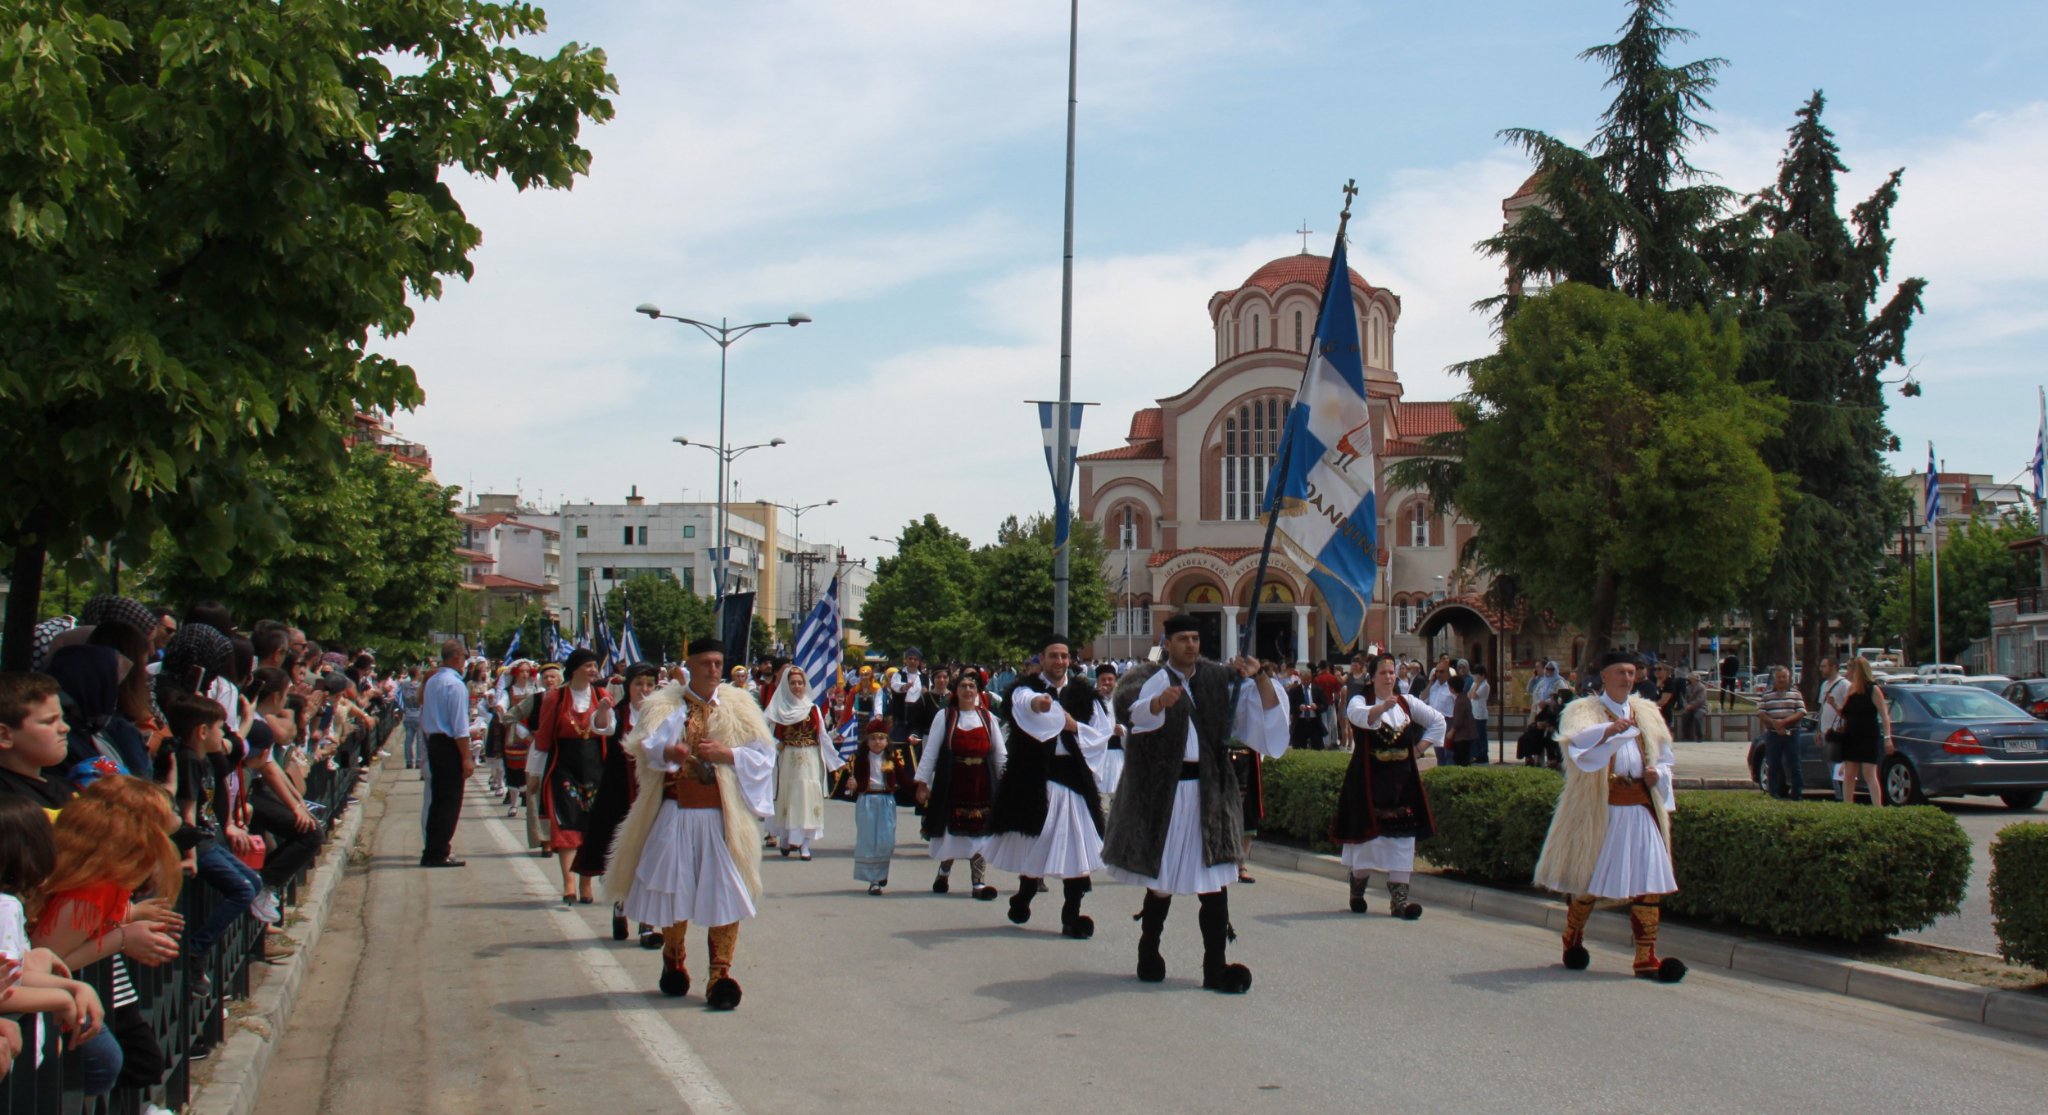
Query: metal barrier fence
point(179, 1009)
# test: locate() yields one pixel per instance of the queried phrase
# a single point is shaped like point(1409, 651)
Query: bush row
point(1810, 869)
point(2019, 893)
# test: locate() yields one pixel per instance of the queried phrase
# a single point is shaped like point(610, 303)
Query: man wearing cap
point(1047, 815)
point(1179, 823)
point(1610, 839)
point(1108, 764)
point(690, 850)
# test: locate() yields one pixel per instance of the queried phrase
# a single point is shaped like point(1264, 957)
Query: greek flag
point(1933, 497)
point(1322, 485)
point(2040, 466)
point(847, 738)
point(601, 632)
point(1048, 428)
point(818, 645)
point(628, 653)
point(512, 648)
point(560, 649)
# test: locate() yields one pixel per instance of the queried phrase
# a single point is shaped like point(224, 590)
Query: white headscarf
point(786, 707)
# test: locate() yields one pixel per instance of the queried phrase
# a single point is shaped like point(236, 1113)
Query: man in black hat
point(1179, 821)
point(1047, 815)
point(906, 695)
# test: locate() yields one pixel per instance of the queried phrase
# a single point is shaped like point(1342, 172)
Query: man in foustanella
point(1047, 817)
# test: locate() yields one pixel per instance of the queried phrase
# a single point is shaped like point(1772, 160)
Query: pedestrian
point(615, 794)
point(444, 721)
point(1692, 715)
point(1537, 745)
point(878, 775)
point(1731, 669)
point(1462, 737)
point(1866, 733)
point(956, 779)
point(1478, 691)
point(1546, 682)
point(1610, 838)
point(570, 733)
point(1108, 763)
point(1779, 710)
point(689, 849)
point(1179, 828)
point(804, 755)
point(1305, 711)
point(1382, 808)
point(1670, 694)
point(1828, 697)
point(1047, 815)
point(409, 715)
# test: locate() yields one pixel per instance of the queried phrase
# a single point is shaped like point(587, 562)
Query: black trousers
point(444, 782)
point(292, 849)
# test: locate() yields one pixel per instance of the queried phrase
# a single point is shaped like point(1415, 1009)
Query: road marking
point(692, 1079)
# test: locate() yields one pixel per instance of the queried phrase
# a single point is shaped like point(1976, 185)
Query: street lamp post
point(726, 455)
point(723, 335)
point(803, 595)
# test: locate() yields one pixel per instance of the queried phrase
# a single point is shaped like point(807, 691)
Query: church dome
point(1303, 268)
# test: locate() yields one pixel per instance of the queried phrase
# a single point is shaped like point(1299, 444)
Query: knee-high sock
point(1358, 881)
point(672, 944)
point(1644, 913)
point(1214, 918)
point(1580, 908)
point(1027, 889)
point(724, 941)
point(1073, 890)
point(1152, 920)
point(978, 867)
point(945, 869)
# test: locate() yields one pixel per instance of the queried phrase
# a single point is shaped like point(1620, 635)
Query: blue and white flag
point(1933, 496)
point(847, 738)
point(818, 646)
point(560, 648)
point(628, 653)
point(512, 648)
point(601, 632)
point(2040, 466)
point(1322, 484)
point(1048, 415)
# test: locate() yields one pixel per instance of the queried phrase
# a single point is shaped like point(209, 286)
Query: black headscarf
point(90, 677)
point(195, 656)
point(117, 609)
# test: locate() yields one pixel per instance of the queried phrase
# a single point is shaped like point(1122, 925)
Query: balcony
point(2029, 601)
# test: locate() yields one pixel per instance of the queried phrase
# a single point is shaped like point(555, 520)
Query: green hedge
point(1816, 869)
point(2019, 893)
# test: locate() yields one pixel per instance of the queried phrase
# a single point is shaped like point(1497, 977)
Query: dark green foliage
point(958, 603)
point(2019, 893)
point(1490, 821)
point(536, 634)
point(1978, 565)
point(1301, 796)
point(1816, 869)
point(666, 616)
point(1014, 597)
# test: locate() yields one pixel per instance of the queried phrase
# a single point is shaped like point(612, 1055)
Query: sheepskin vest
point(1579, 827)
point(735, 722)
point(1152, 762)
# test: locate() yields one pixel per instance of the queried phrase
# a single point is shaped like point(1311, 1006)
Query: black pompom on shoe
point(618, 926)
point(723, 994)
point(941, 885)
point(1080, 929)
point(1357, 905)
point(1576, 958)
point(675, 982)
point(985, 893)
point(1410, 912)
point(650, 938)
point(1151, 965)
point(1020, 909)
point(1231, 979)
point(1670, 970)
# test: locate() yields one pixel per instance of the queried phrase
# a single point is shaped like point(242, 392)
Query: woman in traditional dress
point(505, 740)
point(804, 754)
point(956, 783)
point(1382, 808)
point(615, 788)
point(573, 723)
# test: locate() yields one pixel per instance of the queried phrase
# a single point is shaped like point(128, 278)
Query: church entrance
point(1210, 624)
point(1274, 640)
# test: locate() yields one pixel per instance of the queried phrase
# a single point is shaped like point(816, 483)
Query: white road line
point(666, 1050)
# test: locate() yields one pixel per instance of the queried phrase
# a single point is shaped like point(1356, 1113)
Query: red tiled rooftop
point(1422, 419)
point(1528, 186)
point(1143, 451)
point(512, 584)
point(1303, 268)
point(1148, 423)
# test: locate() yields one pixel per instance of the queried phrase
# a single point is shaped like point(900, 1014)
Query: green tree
point(366, 552)
point(1015, 596)
point(1978, 565)
point(209, 211)
point(666, 616)
point(1611, 462)
point(535, 632)
point(923, 594)
point(1807, 281)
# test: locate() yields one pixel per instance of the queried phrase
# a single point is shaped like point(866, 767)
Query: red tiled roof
point(1227, 554)
point(510, 584)
point(1422, 419)
point(1528, 186)
point(1143, 451)
point(478, 556)
point(1148, 423)
point(499, 518)
point(1303, 268)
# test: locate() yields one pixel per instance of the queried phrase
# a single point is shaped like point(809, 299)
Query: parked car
point(1938, 669)
point(2030, 694)
point(1989, 683)
point(1951, 741)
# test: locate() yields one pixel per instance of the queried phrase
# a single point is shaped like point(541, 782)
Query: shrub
point(1490, 821)
point(1811, 869)
point(2019, 893)
point(1301, 795)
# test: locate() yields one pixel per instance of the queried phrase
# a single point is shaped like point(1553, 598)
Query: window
point(1116, 621)
point(688, 577)
point(1251, 434)
point(643, 536)
point(689, 531)
point(582, 530)
point(608, 573)
point(628, 536)
point(1297, 332)
point(1419, 523)
point(1127, 532)
point(1256, 342)
point(1143, 614)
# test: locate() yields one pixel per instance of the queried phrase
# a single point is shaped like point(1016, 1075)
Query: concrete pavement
point(474, 990)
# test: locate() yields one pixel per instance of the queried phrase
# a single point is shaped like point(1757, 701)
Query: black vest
point(1029, 764)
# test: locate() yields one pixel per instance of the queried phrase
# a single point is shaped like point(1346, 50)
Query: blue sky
point(893, 169)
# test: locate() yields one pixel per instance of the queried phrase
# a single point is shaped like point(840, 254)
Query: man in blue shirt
point(444, 721)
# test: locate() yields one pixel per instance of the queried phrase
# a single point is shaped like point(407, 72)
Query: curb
point(1944, 998)
point(239, 1060)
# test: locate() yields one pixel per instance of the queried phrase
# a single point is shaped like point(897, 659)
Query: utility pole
point(1063, 479)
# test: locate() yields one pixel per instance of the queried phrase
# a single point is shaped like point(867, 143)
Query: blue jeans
point(237, 883)
point(1781, 766)
point(101, 1060)
point(412, 742)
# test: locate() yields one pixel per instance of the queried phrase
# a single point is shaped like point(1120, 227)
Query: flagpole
point(1934, 525)
point(1063, 482)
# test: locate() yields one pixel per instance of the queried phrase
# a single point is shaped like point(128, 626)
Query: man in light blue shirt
point(444, 721)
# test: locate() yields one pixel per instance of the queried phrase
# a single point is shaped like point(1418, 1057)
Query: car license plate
point(2022, 745)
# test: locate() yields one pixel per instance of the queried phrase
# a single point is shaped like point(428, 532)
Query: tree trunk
point(24, 600)
point(1600, 622)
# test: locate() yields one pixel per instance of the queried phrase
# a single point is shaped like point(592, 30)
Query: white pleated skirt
point(954, 846)
point(1633, 858)
point(686, 873)
point(799, 796)
point(1181, 870)
point(1385, 853)
point(1067, 847)
point(1112, 771)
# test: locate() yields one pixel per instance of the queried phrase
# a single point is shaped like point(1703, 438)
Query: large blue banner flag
point(818, 645)
point(1322, 484)
point(1048, 414)
point(1932, 497)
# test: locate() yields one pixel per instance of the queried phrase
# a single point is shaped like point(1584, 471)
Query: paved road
point(473, 990)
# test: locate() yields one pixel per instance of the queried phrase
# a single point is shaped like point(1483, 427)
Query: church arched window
point(1251, 435)
point(1420, 524)
point(1298, 347)
point(1257, 341)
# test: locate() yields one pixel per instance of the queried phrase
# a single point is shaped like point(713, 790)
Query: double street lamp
point(726, 455)
point(803, 592)
point(723, 335)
